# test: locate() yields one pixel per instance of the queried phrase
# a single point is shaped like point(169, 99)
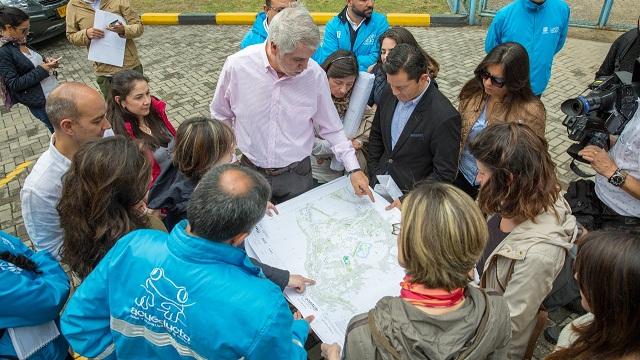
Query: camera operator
point(622, 54)
point(617, 183)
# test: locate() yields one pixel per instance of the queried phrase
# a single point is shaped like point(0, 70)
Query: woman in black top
point(24, 74)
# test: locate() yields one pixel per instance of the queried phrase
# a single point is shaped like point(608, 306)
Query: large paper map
point(342, 241)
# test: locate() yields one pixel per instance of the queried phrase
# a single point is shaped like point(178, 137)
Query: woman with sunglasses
point(25, 76)
point(499, 92)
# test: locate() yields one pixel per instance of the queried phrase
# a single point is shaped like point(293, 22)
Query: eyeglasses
point(278, 9)
point(23, 30)
point(495, 81)
point(395, 229)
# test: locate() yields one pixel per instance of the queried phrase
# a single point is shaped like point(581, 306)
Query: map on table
point(342, 241)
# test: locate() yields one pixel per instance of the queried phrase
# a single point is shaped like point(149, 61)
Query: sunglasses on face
point(495, 81)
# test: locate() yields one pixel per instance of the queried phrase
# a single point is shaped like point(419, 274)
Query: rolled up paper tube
point(357, 104)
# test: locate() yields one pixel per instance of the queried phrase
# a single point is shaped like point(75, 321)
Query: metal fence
point(595, 14)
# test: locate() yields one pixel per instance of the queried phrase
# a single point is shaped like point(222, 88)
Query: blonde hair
point(442, 236)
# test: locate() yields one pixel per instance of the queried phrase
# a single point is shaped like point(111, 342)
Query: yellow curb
point(397, 19)
point(321, 18)
point(160, 18)
point(10, 176)
point(239, 18)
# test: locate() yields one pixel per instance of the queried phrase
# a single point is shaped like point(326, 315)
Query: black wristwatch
point(354, 170)
point(618, 178)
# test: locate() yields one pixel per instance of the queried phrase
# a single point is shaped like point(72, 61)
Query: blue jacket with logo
point(366, 45)
point(258, 34)
point(173, 296)
point(540, 28)
point(29, 299)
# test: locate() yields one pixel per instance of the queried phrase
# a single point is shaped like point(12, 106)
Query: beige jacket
point(532, 114)
point(539, 249)
point(80, 17)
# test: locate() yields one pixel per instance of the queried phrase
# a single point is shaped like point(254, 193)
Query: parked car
point(47, 17)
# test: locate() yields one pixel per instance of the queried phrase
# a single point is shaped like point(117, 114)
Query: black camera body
point(604, 111)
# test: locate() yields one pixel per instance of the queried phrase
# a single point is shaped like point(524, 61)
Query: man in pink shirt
point(273, 97)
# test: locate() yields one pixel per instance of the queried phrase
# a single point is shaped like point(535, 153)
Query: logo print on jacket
point(165, 296)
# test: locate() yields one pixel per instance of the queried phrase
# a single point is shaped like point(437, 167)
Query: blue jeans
point(41, 115)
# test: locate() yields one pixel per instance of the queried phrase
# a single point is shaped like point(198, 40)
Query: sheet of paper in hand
point(342, 241)
point(109, 49)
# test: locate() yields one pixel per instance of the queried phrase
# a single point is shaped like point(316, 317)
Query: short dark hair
point(219, 214)
point(11, 16)
point(408, 58)
point(62, 103)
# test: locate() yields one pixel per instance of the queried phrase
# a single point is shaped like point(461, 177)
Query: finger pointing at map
point(299, 282)
point(360, 184)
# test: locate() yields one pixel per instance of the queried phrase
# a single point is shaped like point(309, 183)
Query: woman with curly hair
point(531, 228)
point(608, 271)
point(103, 198)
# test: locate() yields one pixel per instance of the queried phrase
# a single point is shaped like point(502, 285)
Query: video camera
point(604, 111)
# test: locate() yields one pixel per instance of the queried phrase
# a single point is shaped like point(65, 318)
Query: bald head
point(229, 200)
point(66, 100)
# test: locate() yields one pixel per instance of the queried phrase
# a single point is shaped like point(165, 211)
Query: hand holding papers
point(110, 48)
point(387, 188)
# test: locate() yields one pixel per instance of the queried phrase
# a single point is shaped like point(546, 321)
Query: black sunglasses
point(495, 81)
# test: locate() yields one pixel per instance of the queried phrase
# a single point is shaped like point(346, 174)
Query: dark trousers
point(104, 82)
point(41, 114)
point(288, 182)
point(462, 184)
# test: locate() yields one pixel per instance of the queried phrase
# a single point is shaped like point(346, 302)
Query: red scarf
point(419, 295)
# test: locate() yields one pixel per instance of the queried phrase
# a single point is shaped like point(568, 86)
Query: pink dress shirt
point(274, 118)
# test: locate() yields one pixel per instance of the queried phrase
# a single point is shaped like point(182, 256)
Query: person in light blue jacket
point(260, 29)
point(356, 28)
point(193, 293)
point(34, 289)
point(540, 26)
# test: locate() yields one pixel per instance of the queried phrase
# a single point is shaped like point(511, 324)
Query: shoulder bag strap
point(380, 339)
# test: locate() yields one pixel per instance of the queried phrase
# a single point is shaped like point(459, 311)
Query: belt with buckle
point(271, 171)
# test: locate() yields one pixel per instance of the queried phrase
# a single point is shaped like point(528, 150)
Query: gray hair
point(293, 26)
point(218, 212)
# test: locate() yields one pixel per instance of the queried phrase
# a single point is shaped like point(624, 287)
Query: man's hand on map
point(330, 351)
point(270, 208)
point(360, 184)
point(299, 282)
point(394, 204)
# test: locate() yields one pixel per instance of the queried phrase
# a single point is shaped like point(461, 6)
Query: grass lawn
point(216, 6)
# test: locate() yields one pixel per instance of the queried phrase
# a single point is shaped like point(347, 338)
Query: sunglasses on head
point(495, 81)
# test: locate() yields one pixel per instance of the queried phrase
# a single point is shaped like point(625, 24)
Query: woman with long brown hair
point(608, 271)
point(500, 91)
point(135, 113)
point(530, 225)
point(102, 199)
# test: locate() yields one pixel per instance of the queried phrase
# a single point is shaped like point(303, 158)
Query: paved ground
point(183, 65)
